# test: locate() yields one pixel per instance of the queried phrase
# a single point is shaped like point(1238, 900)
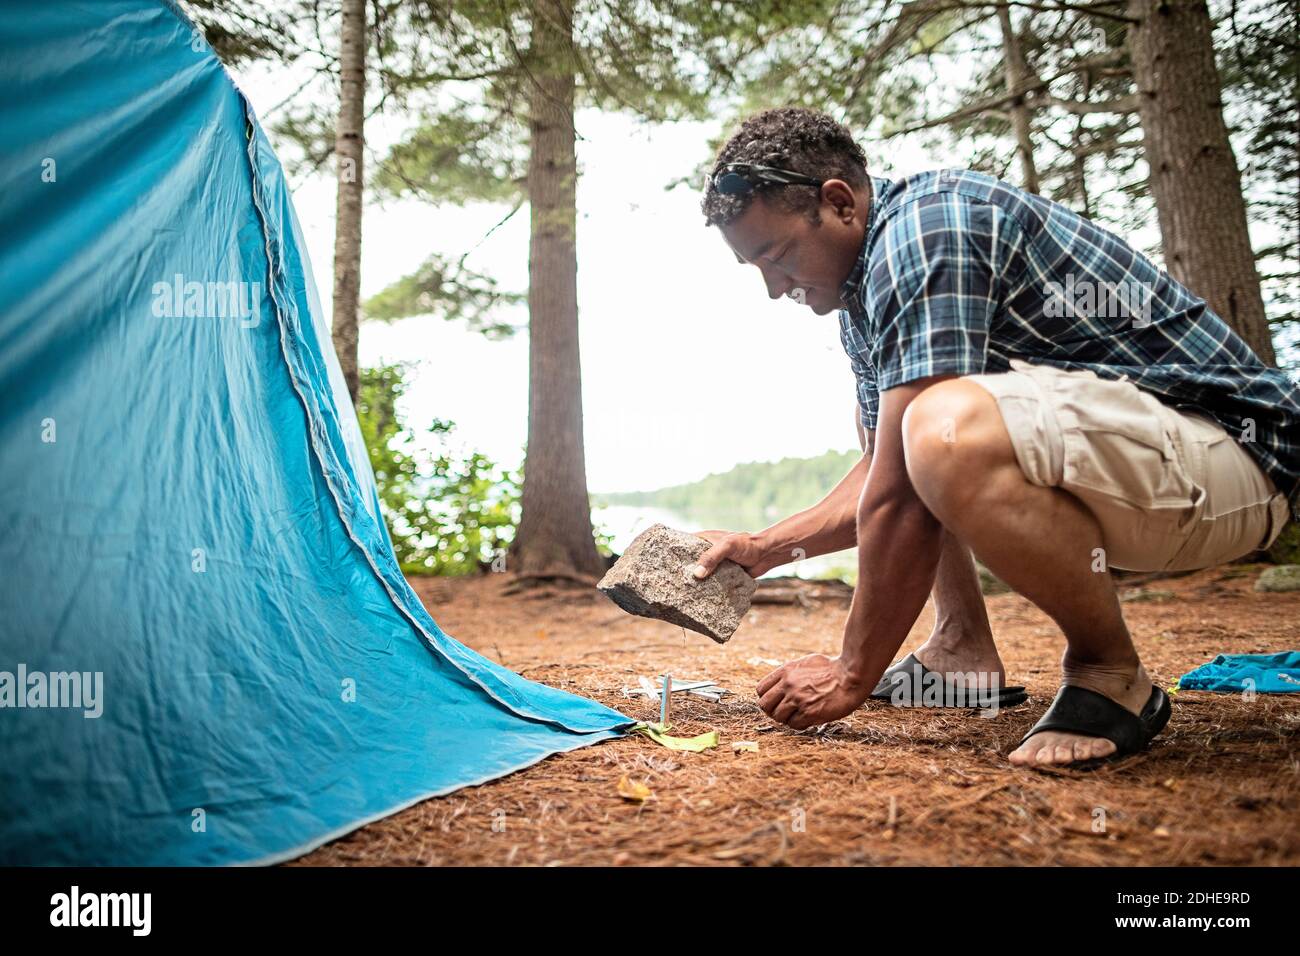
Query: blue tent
point(208, 653)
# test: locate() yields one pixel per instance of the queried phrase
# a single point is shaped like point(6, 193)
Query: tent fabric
point(188, 521)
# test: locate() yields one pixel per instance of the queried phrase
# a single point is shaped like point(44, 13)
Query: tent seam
point(275, 271)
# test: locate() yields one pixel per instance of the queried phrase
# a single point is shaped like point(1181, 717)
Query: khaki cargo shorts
point(1172, 490)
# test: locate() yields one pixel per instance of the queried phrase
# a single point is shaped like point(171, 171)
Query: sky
point(688, 368)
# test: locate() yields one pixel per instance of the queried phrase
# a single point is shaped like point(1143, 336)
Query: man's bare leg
point(1041, 541)
point(962, 639)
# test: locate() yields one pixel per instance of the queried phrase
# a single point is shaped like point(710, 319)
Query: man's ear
point(839, 195)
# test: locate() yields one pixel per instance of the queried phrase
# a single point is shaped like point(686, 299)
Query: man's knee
point(953, 436)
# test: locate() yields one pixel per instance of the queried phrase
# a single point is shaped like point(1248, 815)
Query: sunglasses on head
point(739, 179)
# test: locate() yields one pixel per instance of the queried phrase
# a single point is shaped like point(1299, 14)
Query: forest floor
point(1220, 785)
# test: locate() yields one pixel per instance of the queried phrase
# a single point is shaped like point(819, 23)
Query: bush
point(445, 515)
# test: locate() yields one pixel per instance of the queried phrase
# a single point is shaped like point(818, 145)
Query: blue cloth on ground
point(1228, 674)
point(188, 520)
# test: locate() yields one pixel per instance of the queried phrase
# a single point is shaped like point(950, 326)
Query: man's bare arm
point(899, 543)
point(826, 527)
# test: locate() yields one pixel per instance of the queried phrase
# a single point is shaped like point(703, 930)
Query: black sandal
point(1077, 710)
point(905, 682)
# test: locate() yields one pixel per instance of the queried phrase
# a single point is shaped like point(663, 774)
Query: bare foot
point(1127, 684)
point(961, 654)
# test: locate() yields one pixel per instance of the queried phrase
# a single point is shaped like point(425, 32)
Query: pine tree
point(529, 65)
point(349, 151)
point(1070, 90)
point(1194, 174)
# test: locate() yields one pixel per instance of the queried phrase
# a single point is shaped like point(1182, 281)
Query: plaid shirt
point(960, 272)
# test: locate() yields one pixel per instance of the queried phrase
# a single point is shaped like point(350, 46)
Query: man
point(1030, 389)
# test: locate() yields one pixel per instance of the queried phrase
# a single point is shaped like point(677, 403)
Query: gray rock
point(1284, 577)
point(654, 578)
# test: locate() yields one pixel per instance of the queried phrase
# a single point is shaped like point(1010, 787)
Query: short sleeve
point(937, 286)
point(859, 353)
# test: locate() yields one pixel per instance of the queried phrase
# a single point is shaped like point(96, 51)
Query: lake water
point(625, 522)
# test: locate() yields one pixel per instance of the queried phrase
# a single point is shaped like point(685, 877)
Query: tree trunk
point(1080, 167)
point(555, 533)
point(1017, 78)
point(348, 143)
point(1194, 174)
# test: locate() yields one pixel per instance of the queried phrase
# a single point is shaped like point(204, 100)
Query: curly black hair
point(800, 140)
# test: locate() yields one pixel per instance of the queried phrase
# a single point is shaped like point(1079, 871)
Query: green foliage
point(1260, 68)
point(446, 290)
point(751, 495)
point(456, 156)
point(312, 133)
point(464, 74)
point(445, 515)
point(935, 68)
point(242, 31)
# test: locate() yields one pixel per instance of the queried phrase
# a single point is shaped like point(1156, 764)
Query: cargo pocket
point(1122, 443)
point(1240, 515)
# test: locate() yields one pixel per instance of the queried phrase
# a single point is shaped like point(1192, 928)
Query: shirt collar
point(852, 286)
